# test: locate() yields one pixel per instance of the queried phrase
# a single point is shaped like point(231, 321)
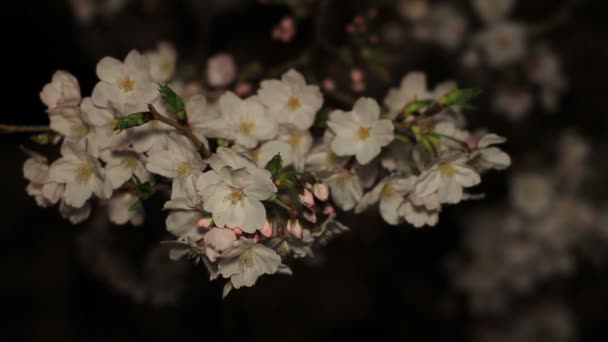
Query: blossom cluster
point(251, 182)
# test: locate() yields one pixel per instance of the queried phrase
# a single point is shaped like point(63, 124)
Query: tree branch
point(10, 129)
point(185, 130)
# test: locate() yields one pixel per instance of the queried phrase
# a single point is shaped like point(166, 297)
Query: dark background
point(375, 282)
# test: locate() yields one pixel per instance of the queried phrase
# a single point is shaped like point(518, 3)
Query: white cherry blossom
point(234, 196)
point(244, 121)
point(346, 189)
point(291, 101)
point(247, 261)
point(390, 192)
point(122, 165)
point(126, 86)
point(360, 132)
point(180, 162)
point(119, 209)
point(81, 173)
point(447, 177)
point(62, 91)
point(162, 62)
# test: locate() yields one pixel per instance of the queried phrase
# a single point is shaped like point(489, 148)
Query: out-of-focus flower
point(531, 193)
point(162, 62)
point(503, 43)
point(63, 90)
point(221, 70)
point(285, 30)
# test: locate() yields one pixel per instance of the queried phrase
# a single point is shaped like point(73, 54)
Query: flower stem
point(281, 204)
point(183, 129)
point(9, 129)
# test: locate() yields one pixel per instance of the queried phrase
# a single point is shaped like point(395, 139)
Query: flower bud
point(266, 229)
point(307, 199)
point(205, 222)
point(310, 216)
point(328, 210)
point(294, 227)
point(321, 191)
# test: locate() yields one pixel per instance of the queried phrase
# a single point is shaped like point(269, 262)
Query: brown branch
point(183, 129)
point(10, 129)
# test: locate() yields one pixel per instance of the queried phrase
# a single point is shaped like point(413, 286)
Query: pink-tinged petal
point(266, 229)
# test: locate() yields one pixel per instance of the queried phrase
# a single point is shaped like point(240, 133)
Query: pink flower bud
point(329, 84)
point(471, 142)
point(359, 20)
point(350, 28)
point(221, 70)
point(310, 216)
point(294, 227)
point(238, 231)
point(328, 210)
point(266, 229)
point(321, 191)
point(307, 199)
point(205, 222)
point(242, 88)
point(357, 75)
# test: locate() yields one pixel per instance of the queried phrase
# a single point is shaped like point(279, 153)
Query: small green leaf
point(275, 165)
point(250, 71)
point(459, 97)
point(174, 102)
point(286, 179)
point(131, 120)
point(42, 138)
point(135, 206)
point(415, 106)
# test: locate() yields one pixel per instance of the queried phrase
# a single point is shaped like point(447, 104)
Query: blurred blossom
point(514, 103)
point(221, 70)
point(87, 10)
point(414, 9)
point(285, 30)
point(503, 43)
point(493, 10)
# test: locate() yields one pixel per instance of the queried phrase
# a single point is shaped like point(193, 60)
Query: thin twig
point(185, 130)
point(10, 129)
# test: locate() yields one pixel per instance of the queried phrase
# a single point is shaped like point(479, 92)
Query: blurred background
point(492, 270)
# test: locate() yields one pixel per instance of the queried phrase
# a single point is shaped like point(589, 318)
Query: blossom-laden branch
point(272, 188)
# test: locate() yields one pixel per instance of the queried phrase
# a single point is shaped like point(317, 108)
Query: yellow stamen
point(363, 133)
point(387, 190)
point(446, 170)
point(126, 84)
point(79, 129)
point(183, 169)
point(165, 66)
point(247, 126)
point(294, 141)
point(246, 258)
point(235, 196)
point(84, 172)
point(293, 103)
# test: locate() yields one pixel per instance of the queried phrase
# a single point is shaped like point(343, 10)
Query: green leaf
point(415, 106)
point(459, 97)
point(275, 165)
point(131, 120)
point(135, 206)
point(42, 138)
point(250, 71)
point(174, 102)
point(286, 179)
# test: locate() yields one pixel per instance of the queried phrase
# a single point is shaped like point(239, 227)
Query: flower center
point(183, 169)
point(84, 172)
point(235, 196)
point(165, 66)
point(387, 190)
point(294, 141)
point(126, 84)
point(79, 129)
point(294, 103)
point(247, 126)
point(246, 258)
point(446, 170)
point(363, 133)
